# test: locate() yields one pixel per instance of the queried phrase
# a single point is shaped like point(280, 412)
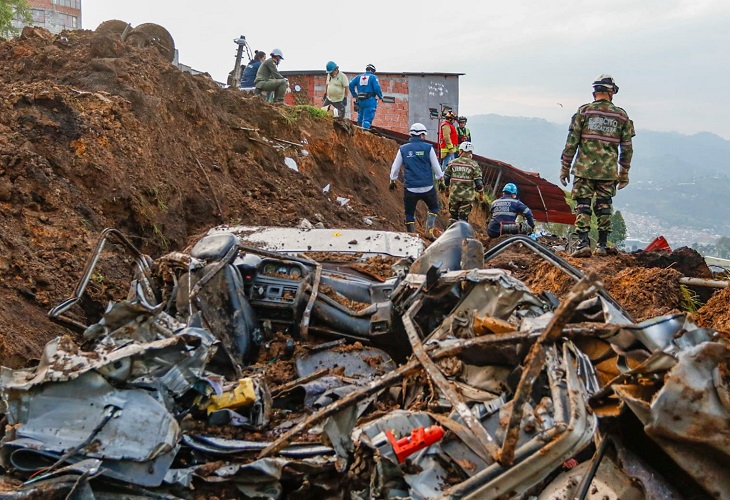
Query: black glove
point(442, 186)
point(392, 186)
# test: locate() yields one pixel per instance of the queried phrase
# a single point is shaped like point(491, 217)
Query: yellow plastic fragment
point(242, 395)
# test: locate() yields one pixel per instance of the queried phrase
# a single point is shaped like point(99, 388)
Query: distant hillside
point(681, 180)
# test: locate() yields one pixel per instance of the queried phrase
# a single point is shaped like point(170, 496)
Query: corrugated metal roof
point(545, 199)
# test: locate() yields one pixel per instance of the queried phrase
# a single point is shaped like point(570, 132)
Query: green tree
point(722, 247)
point(13, 9)
point(618, 228)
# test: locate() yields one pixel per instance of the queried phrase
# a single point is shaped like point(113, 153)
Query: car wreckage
point(444, 379)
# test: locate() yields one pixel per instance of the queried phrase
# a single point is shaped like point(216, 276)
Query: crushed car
point(276, 363)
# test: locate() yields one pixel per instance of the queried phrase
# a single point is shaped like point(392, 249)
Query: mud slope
point(95, 134)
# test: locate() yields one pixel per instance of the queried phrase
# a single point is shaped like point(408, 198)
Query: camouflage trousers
point(599, 194)
point(459, 208)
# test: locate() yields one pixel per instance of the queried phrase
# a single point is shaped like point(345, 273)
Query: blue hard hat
point(510, 188)
point(331, 66)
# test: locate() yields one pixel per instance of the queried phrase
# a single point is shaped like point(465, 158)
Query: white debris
point(343, 201)
point(326, 189)
point(304, 152)
point(289, 162)
point(368, 221)
point(305, 224)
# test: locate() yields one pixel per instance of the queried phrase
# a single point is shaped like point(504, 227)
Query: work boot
point(602, 247)
point(410, 227)
point(431, 225)
point(584, 246)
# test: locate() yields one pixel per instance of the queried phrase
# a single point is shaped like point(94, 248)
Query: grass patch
point(293, 113)
point(688, 300)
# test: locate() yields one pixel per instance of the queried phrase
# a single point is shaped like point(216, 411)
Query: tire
point(153, 35)
point(113, 26)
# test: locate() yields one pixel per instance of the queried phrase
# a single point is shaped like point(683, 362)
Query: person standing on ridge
point(504, 212)
point(249, 72)
point(337, 85)
point(268, 79)
point(421, 166)
point(365, 88)
point(462, 178)
point(463, 133)
point(448, 139)
point(597, 132)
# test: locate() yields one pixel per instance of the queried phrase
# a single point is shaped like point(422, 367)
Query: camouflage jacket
point(463, 175)
point(597, 131)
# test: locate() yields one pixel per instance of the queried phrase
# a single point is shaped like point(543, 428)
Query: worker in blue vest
point(365, 88)
point(421, 167)
point(504, 213)
point(249, 72)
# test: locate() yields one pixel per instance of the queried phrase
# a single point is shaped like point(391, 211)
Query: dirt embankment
point(95, 133)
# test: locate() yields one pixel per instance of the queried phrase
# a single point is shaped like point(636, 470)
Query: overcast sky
point(521, 58)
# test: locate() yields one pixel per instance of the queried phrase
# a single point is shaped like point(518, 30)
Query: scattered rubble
point(311, 362)
point(232, 367)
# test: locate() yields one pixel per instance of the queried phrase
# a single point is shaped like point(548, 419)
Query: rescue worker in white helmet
point(268, 79)
point(421, 167)
point(462, 179)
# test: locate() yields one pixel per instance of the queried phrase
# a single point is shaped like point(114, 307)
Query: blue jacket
point(366, 83)
point(417, 172)
point(506, 209)
point(249, 74)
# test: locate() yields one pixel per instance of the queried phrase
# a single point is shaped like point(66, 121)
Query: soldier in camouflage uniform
point(463, 176)
point(597, 132)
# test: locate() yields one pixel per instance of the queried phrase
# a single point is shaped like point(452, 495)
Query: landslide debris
point(95, 133)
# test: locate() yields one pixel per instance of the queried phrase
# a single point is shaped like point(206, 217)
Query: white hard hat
point(606, 81)
point(418, 129)
point(277, 52)
point(466, 146)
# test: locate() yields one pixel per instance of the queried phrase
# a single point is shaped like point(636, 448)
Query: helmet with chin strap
point(605, 83)
point(510, 188)
point(418, 129)
point(370, 68)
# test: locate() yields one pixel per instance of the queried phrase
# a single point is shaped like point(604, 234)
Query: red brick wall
point(393, 116)
point(48, 4)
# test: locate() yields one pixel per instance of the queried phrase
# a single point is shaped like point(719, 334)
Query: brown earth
point(95, 133)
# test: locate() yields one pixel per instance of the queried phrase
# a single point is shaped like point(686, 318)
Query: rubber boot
point(602, 245)
point(430, 224)
point(584, 246)
point(410, 227)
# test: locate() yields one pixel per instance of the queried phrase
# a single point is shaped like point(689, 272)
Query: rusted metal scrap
point(536, 358)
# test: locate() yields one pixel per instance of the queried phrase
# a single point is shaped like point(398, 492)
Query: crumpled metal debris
point(447, 380)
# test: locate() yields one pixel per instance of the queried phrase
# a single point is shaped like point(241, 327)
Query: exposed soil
point(342, 300)
point(95, 133)
point(716, 312)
